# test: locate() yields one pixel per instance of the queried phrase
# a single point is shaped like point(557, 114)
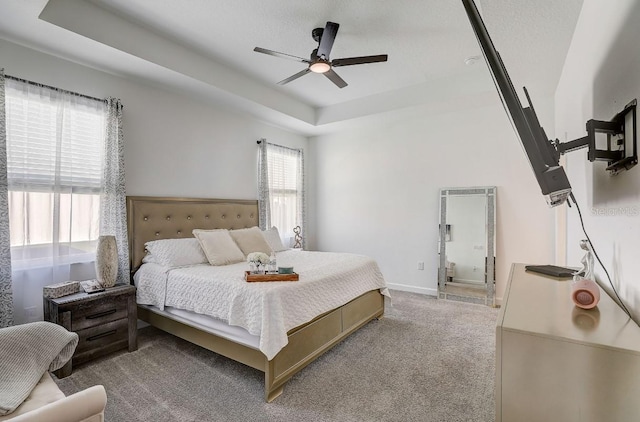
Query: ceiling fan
point(319, 61)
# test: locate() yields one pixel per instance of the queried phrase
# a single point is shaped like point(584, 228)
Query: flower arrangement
point(258, 258)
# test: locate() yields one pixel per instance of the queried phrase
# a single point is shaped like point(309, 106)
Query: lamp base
point(107, 261)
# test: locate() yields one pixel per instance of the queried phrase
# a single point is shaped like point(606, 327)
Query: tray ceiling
point(206, 48)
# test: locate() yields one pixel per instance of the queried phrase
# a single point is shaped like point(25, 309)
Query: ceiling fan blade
point(349, 61)
point(283, 55)
point(327, 39)
point(333, 76)
point(294, 77)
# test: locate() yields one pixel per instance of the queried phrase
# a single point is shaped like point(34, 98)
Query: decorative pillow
point(272, 236)
point(251, 240)
point(175, 252)
point(218, 246)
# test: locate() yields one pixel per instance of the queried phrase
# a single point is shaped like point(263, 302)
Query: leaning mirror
point(466, 244)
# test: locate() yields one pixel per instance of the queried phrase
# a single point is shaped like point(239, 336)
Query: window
point(285, 175)
point(55, 143)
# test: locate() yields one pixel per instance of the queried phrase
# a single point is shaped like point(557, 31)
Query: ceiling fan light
point(319, 67)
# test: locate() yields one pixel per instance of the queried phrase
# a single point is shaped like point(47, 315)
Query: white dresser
point(556, 362)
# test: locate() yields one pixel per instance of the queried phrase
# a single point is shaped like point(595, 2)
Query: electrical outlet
point(420, 265)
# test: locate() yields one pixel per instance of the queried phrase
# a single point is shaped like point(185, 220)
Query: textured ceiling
point(207, 47)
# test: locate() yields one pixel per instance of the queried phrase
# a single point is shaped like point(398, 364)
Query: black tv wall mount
point(620, 152)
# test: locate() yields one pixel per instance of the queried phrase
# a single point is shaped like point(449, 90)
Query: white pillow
point(272, 236)
point(174, 252)
point(218, 246)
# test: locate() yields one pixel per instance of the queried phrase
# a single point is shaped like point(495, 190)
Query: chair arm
point(85, 405)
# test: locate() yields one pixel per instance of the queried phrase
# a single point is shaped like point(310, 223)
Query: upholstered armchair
point(27, 392)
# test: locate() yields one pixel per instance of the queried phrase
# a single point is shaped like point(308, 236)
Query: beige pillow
point(218, 246)
point(251, 240)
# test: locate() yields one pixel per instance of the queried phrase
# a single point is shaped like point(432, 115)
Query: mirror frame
point(490, 193)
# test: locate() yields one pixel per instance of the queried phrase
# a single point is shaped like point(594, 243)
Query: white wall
point(601, 75)
point(175, 145)
point(376, 190)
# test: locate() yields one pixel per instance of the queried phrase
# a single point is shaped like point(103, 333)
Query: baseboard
point(413, 289)
point(427, 291)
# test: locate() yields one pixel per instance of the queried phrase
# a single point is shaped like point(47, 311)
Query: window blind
point(283, 171)
point(53, 141)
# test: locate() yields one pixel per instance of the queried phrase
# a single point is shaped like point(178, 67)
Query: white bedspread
point(269, 310)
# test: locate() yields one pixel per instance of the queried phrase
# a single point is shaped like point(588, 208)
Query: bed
point(156, 218)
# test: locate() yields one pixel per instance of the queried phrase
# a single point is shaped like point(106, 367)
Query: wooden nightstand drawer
point(98, 312)
point(102, 335)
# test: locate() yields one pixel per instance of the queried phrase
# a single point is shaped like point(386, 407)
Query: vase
point(107, 261)
point(253, 268)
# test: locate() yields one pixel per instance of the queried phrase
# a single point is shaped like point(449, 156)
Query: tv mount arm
point(621, 148)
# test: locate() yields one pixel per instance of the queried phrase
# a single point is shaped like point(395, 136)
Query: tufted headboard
point(153, 218)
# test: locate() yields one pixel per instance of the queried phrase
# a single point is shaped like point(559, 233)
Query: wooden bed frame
point(154, 218)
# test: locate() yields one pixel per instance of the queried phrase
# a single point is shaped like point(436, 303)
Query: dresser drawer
point(93, 313)
point(102, 336)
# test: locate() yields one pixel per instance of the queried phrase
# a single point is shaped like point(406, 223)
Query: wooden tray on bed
point(270, 277)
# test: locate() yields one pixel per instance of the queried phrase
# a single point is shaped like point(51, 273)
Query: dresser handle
point(105, 334)
point(101, 314)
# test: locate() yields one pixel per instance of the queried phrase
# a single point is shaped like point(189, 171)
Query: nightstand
point(104, 321)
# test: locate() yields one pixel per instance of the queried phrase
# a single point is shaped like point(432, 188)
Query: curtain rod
point(54, 88)
point(259, 141)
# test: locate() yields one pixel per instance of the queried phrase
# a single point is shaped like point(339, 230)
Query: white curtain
point(6, 295)
point(281, 190)
point(58, 165)
point(54, 146)
point(264, 208)
point(113, 201)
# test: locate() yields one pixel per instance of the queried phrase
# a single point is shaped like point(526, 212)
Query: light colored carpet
point(426, 360)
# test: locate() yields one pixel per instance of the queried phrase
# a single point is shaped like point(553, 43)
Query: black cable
point(624, 308)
